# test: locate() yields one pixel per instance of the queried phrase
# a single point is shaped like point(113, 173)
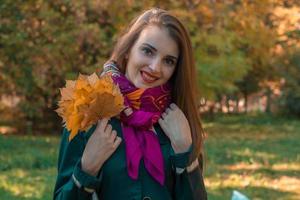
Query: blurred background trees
point(243, 49)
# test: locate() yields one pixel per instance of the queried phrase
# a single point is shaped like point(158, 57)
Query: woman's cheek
point(168, 72)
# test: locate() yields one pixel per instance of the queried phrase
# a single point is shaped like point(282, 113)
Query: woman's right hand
point(100, 146)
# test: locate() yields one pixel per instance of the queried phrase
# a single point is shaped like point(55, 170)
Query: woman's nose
point(155, 66)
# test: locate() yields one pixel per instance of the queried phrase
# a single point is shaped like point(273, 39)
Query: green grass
point(27, 167)
point(256, 155)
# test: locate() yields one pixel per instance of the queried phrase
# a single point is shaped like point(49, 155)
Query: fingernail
point(128, 111)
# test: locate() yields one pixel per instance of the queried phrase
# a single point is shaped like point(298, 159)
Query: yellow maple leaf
point(88, 99)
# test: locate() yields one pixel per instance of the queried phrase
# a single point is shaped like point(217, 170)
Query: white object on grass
point(236, 195)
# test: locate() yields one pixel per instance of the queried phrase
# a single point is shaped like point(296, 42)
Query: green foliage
point(257, 38)
point(290, 98)
point(42, 43)
point(220, 63)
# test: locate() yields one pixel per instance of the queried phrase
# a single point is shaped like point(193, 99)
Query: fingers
point(173, 106)
point(110, 135)
point(163, 125)
point(117, 142)
point(113, 136)
point(168, 110)
point(128, 111)
point(108, 129)
point(101, 125)
point(161, 122)
point(163, 115)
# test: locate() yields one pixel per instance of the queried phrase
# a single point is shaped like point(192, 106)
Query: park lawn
point(256, 155)
point(27, 167)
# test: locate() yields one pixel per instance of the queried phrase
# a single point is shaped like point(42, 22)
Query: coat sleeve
point(72, 183)
point(189, 182)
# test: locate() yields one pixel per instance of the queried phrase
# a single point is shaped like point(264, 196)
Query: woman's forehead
point(160, 39)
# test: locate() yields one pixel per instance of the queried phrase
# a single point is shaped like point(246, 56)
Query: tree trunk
point(211, 114)
point(227, 104)
point(246, 102)
point(268, 106)
point(236, 109)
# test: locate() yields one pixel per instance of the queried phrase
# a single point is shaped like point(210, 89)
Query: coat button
point(147, 198)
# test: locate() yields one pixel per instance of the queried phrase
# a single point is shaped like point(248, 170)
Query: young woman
point(151, 150)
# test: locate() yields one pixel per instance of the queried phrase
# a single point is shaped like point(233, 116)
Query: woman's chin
point(143, 85)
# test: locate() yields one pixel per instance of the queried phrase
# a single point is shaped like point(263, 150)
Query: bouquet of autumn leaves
point(86, 100)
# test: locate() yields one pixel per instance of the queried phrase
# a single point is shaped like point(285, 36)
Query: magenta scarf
point(140, 141)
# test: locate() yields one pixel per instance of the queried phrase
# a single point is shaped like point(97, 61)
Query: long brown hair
point(184, 81)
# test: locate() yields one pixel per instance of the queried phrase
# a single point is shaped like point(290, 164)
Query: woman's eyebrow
point(150, 46)
point(154, 49)
point(172, 57)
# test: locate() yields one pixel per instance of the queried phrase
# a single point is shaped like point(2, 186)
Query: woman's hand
point(100, 146)
point(177, 128)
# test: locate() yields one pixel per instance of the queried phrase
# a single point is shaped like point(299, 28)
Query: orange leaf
point(88, 99)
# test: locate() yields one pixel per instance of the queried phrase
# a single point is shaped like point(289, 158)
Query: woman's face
point(152, 59)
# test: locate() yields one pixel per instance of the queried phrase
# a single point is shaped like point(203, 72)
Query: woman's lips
point(148, 78)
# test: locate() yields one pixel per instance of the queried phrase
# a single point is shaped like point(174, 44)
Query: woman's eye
point(170, 62)
point(147, 51)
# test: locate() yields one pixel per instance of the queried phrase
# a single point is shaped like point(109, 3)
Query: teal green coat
point(113, 182)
